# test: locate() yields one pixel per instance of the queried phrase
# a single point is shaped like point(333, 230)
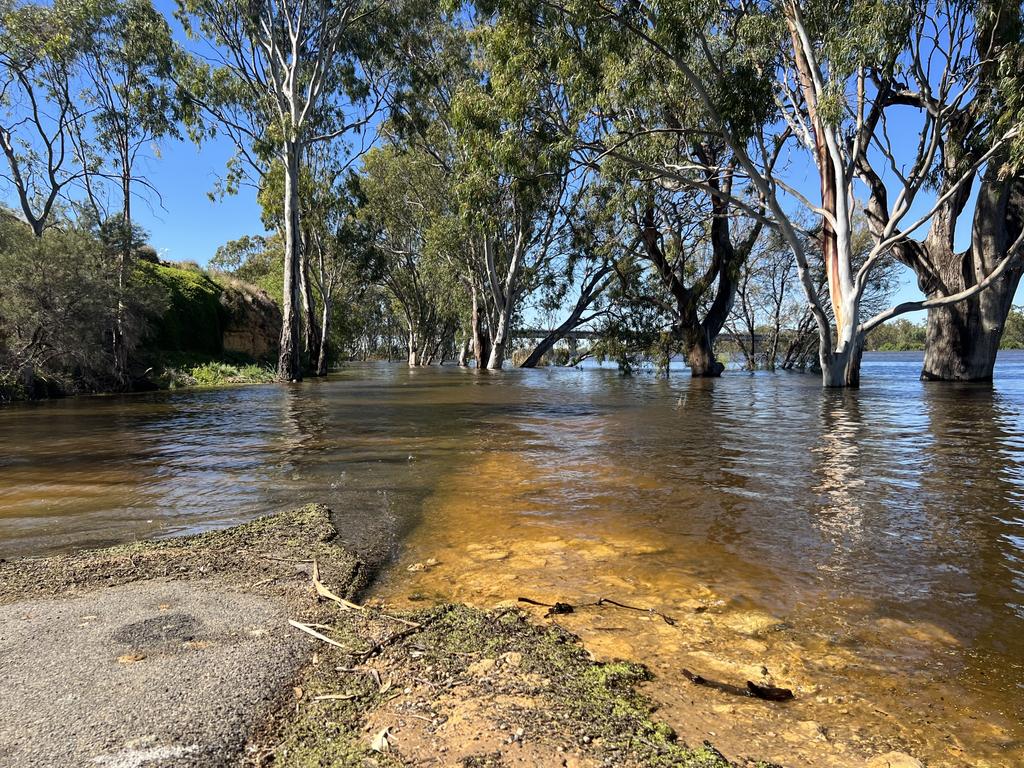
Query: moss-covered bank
point(215, 330)
point(259, 555)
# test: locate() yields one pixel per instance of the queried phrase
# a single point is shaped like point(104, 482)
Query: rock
point(481, 668)
point(492, 554)
point(253, 326)
point(512, 658)
point(751, 623)
point(894, 760)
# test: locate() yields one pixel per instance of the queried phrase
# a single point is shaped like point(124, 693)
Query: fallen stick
point(324, 591)
point(752, 689)
point(667, 619)
point(336, 697)
point(557, 609)
point(378, 647)
point(310, 631)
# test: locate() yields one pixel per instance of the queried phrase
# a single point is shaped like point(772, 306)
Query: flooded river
point(865, 549)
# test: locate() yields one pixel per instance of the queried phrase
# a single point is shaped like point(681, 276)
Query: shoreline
point(167, 625)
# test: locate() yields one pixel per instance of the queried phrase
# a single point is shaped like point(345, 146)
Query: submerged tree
point(409, 209)
point(786, 86)
point(974, 94)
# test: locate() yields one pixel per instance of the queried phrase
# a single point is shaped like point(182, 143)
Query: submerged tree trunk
point(310, 326)
point(843, 368)
point(321, 358)
point(545, 346)
point(500, 340)
point(963, 339)
point(463, 357)
point(413, 349)
point(700, 356)
point(592, 288)
point(289, 367)
point(481, 340)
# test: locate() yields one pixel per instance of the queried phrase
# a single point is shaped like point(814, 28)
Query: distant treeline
point(903, 335)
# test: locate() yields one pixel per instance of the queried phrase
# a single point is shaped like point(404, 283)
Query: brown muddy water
point(865, 549)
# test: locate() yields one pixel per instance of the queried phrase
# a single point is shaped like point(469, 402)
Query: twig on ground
point(308, 629)
point(336, 697)
point(348, 605)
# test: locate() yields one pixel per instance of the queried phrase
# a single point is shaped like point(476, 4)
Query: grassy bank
point(178, 371)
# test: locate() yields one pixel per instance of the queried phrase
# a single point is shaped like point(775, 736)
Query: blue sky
point(190, 226)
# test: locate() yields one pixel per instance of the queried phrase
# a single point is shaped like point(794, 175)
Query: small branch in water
point(667, 619)
point(555, 609)
point(752, 689)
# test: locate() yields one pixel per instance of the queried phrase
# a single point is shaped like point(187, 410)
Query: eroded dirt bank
point(217, 650)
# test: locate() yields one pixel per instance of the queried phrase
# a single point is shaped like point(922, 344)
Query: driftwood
point(752, 689)
point(557, 609)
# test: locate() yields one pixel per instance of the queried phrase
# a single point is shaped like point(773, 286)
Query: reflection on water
point(866, 547)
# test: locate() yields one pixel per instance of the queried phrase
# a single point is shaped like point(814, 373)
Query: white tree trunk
point(288, 364)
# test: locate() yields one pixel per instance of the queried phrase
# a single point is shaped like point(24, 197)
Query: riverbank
point(240, 646)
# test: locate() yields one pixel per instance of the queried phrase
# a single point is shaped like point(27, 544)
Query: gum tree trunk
point(289, 367)
point(843, 369)
point(310, 327)
point(963, 339)
point(592, 288)
point(322, 351)
point(481, 341)
point(413, 349)
point(500, 341)
point(700, 356)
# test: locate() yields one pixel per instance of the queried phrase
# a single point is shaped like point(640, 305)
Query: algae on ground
point(580, 703)
point(269, 551)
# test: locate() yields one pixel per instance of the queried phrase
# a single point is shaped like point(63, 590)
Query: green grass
point(213, 373)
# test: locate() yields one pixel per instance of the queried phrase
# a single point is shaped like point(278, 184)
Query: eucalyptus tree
point(976, 93)
point(513, 168)
point(280, 78)
point(621, 111)
point(592, 247)
point(408, 209)
point(771, 321)
point(42, 49)
point(131, 98)
point(337, 243)
point(785, 86)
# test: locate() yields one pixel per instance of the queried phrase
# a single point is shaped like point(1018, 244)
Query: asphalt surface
point(151, 673)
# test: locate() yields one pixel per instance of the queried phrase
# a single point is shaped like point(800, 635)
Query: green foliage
point(254, 259)
point(195, 318)
point(131, 62)
point(58, 295)
point(414, 256)
point(217, 374)
point(898, 336)
point(1013, 331)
